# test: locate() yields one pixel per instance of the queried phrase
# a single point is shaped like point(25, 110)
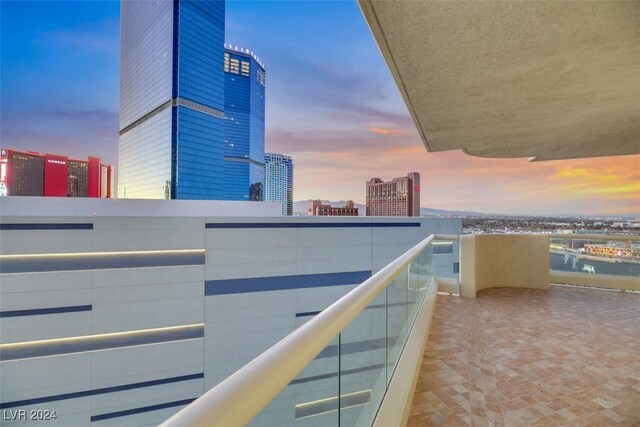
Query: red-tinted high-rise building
point(398, 197)
point(93, 180)
point(51, 175)
point(56, 172)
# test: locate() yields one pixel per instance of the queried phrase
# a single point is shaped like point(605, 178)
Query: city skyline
point(332, 105)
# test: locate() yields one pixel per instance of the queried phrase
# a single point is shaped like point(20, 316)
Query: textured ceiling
point(548, 79)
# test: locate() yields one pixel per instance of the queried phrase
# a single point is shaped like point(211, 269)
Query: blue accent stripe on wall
point(50, 226)
point(261, 284)
point(86, 393)
point(141, 410)
point(41, 311)
point(308, 313)
point(311, 224)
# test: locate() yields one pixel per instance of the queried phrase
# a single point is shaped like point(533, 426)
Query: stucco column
point(503, 261)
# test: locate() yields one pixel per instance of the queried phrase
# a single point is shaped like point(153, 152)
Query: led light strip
point(80, 254)
point(98, 342)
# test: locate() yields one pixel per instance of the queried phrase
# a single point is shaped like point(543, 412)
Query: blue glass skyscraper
point(172, 99)
point(244, 104)
point(278, 181)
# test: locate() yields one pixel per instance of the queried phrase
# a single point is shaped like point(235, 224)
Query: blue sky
point(60, 77)
point(331, 104)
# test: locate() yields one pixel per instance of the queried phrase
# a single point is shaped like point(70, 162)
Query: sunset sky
point(331, 104)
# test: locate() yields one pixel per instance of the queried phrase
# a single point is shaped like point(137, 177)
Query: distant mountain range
point(300, 208)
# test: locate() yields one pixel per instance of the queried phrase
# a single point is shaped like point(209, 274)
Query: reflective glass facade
point(278, 181)
point(199, 155)
point(146, 58)
point(244, 126)
point(144, 158)
point(171, 99)
point(201, 54)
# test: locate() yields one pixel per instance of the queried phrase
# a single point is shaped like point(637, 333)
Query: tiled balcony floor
point(512, 357)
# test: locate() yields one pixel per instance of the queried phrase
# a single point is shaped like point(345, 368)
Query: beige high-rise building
point(398, 197)
point(317, 208)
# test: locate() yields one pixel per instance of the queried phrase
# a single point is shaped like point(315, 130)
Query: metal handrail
point(242, 395)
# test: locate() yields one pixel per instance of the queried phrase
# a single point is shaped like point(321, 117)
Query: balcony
point(508, 350)
point(339, 309)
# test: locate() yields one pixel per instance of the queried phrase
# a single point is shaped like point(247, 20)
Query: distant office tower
point(398, 197)
point(35, 174)
point(244, 85)
point(316, 208)
point(278, 181)
point(171, 99)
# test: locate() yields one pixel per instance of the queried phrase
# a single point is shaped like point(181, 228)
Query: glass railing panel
point(362, 364)
point(428, 263)
point(446, 258)
point(413, 288)
point(312, 396)
point(595, 256)
point(396, 320)
point(423, 266)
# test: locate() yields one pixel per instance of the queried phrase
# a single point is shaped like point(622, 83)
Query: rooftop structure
point(235, 48)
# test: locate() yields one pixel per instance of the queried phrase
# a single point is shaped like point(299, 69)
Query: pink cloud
point(381, 130)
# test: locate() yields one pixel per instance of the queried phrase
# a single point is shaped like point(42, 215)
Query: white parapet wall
point(503, 261)
point(134, 315)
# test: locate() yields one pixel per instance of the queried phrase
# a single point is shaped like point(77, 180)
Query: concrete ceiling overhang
point(544, 79)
